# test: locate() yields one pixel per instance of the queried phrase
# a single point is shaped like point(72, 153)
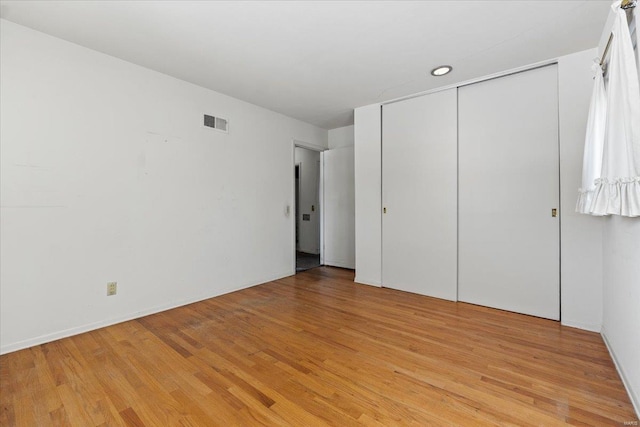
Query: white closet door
point(419, 194)
point(509, 253)
point(339, 208)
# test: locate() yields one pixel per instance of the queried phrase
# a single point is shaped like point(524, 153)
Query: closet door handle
point(554, 212)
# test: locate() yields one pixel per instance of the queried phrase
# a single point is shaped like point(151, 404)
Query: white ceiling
point(316, 61)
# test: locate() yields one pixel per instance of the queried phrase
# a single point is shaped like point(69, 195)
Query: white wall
point(581, 235)
point(621, 311)
point(341, 137)
point(621, 287)
point(581, 265)
point(309, 232)
point(368, 194)
point(107, 174)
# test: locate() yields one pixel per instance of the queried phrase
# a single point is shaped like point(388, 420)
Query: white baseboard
point(592, 327)
point(339, 264)
point(635, 399)
point(9, 348)
point(367, 282)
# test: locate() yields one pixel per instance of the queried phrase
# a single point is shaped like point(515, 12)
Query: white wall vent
point(216, 123)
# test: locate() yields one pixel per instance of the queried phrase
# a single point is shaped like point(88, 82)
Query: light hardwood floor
point(316, 349)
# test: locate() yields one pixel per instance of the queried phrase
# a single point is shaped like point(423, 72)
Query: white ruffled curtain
point(636, 17)
point(594, 142)
point(611, 168)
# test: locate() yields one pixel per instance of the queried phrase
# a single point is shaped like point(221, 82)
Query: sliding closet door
point(419, 195)
point(509, 254)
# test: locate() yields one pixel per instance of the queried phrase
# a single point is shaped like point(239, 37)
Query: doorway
point(307, 208)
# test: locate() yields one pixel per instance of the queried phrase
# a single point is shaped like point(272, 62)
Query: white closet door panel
point(508, 184)
point(419, 194)
point(339, 208)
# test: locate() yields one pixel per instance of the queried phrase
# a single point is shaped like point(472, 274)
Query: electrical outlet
point(112, 288)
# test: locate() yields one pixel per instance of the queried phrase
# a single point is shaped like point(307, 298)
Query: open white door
point(508, 187)
point(339, 208)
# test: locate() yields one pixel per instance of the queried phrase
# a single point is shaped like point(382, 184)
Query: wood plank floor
point(316, 349)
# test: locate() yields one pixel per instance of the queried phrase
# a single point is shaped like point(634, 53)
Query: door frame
point(313, 147)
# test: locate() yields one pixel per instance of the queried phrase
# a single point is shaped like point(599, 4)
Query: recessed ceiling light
point(441, 70)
